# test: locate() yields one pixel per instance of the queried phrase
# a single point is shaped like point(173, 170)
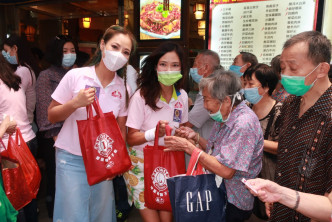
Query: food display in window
point(158, 21)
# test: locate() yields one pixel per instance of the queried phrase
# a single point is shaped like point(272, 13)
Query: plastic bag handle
point(18, 137)
point(193, 163)
point(96, 107)
point(168, 130)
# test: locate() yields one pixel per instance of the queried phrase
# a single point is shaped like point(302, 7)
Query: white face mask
point(114, 60)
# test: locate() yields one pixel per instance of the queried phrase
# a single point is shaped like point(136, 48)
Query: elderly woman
point(234, 149)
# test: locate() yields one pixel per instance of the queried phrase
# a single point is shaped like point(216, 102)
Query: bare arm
point(58, 112)
point(122, 125)
point(191, 135)
point(7, 126)
point(135, 137)
point(271, 146)
point(316, 207)
point(188, 124)
point(209, 162)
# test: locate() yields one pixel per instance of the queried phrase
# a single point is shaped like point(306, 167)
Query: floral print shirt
point(238, 144)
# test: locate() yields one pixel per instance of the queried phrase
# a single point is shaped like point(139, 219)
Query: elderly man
point(205, 63)
point(242, 62)
point(305, 142)
point(234, 149)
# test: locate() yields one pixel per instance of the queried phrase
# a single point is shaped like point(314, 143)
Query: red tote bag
point(103, 149)
point(20, 172)
point(158, 167)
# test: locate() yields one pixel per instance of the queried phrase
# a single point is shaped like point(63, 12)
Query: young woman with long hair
point(18, 54)
point(160, 97)
point(75, 200)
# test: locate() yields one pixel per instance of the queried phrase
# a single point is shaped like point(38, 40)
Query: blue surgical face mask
point(236, 69)
point(252, 95)
point(11, 59)
point(68, 59)
point(194, 75)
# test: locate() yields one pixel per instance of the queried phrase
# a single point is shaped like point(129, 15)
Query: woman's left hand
point(174, 143)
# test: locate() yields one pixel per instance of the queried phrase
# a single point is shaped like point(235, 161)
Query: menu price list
point(259, 27)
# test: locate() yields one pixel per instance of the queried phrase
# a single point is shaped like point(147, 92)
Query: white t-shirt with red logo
point(111, 98)
point(142, 117)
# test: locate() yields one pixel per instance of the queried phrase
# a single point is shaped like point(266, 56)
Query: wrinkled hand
point(268, 209)
point(186, 132)
point(162, 128)
point(10, 125)
point(174, 143)
point(267, 190)
point(85, 97)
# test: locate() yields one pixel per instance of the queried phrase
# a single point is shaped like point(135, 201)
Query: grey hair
point(213, 59)
point(221, 84)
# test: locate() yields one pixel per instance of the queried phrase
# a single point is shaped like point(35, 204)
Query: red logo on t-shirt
point(116, 93)
point(178, 105)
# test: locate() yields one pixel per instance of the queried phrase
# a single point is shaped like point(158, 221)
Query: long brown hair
point(148, 80)
point(109, 33)
point(7, 75)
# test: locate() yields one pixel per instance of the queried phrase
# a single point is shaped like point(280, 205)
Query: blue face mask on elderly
point(194, 75)
point(11, 59)
point(252, 95)
point(68, 59)
point(236, 70)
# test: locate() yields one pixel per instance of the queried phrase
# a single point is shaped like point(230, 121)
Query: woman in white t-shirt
point(21, 104)
point(17, 53)
point(75, 200)
point(159, 97)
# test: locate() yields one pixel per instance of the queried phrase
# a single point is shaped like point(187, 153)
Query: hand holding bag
point(103, 149)
point(158, 166)
point(20, 172)
point(195, 196)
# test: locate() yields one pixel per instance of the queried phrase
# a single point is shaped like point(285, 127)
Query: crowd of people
point(255, 121)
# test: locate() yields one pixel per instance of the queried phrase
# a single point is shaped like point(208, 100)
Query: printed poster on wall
point(159, 22)
point(257, 26)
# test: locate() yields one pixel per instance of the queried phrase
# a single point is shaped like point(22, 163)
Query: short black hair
point(54, 49)
point(319, 46)
point(264, 74)
point(249, 57)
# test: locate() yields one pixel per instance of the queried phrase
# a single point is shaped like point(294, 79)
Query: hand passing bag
point(158, 166)
point(103, 149)
point(195, 196)
point(20, 172)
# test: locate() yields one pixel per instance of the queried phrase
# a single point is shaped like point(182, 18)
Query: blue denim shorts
point(75, 199)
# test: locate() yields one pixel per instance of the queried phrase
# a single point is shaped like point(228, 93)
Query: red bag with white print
point(158, 167)
point(103, 148)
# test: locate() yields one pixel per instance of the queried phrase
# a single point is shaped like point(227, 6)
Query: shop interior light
point(86, 22)
point(201, 28)
point(199, 10)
